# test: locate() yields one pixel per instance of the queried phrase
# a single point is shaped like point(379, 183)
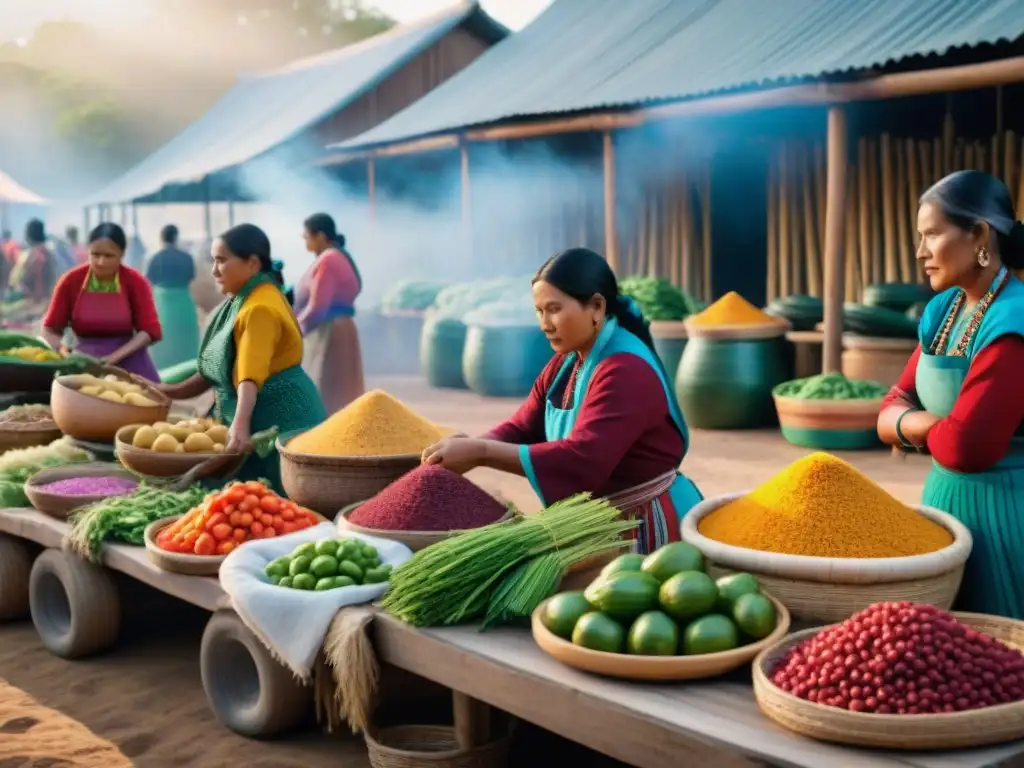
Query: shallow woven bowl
point(414, 540)
point(16, 435)
point(630, 667)
point(827, 589)
point(156, 464)
point(327, 484)
point(92, 418)
point(830, 425)
point(175, 562)
point(433, 746)
point(955, 730)
point(60, 506)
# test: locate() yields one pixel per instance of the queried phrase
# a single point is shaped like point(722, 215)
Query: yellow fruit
point(218, 448)
point(134, 398)
point(160, 426)
point(166, 444)
point(218, 433)
point(93, 390)
point(197, 442)
point(145, 437)
point(180, 448)
point(112, 396)
point(178, 433)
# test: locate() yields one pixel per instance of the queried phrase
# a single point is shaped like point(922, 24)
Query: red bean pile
point(902, 658)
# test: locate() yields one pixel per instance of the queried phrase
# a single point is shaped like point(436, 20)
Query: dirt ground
point(145, 697)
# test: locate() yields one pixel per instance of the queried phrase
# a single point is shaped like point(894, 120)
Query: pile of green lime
point(328, 564)
point(663, 604)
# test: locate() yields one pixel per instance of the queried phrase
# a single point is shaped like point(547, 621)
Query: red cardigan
point(976, 434)
point(135, 287)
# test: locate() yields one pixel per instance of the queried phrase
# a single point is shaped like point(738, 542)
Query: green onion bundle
point(457, 579)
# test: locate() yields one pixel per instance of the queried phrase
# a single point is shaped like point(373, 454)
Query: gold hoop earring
point(983, 257)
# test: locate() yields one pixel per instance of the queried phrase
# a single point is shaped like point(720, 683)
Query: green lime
point(376, 575)
point(324, 565)
point(369, 551)
point(305, 550)
point(688, 595)
point(351, 548)
point(653, 634)
point(754, 615)
point(327, 547)
point(623, 595)
point(562, 611)
point(325, 584)
point(734, 586)
point(286, 581)
point(304, 581)
point(343, 581)
point(666, 562)
point(278, 567)
point(352, 570)
point(599, 632)
point(710, 634)
point(299, 564)
point(627, 562)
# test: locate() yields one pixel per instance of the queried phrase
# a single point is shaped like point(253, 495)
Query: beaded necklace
point(941, 341)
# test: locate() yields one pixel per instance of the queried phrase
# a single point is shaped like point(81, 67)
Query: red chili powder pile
point(429, 498)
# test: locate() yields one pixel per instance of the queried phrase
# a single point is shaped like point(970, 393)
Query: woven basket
point(417, 746)
point(327, 484)
point(974, 728)
point(27, 435)
point(827, 589)
point(60, 506)
point(414, 540)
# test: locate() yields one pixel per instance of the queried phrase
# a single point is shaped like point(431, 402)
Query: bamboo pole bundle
point(785, 242)
point(888, 210)
point(899, 202)
point(797, 272)
point(812, 256)
point(853, 284)
point(705, 202)
point(772, 251)
point(864, 206)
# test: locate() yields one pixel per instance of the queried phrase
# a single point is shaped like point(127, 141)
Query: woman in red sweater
point(959, 396)
point(108, 306)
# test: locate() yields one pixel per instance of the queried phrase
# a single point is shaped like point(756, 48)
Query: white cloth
point(292, 623)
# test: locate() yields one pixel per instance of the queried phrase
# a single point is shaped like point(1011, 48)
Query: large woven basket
point(414, 540)
point(827, 589)
point(327, 484)
point(433, 746)
point(17, 435)
point(973, 728)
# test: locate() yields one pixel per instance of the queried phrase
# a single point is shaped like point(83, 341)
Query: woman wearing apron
point(324, 303)
point(602, 416)
point(959, 395)
point(108, 306)
point(251, 353)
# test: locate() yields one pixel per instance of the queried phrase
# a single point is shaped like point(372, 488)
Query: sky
point(18, 18)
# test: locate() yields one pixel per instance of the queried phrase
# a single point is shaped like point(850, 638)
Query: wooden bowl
point(156, 464)
point(829, 425)
point(630, 667)
point(92, 418)
point(16, 435)
point(327, 484)
point(955, 730)
point(414, 540)
point(828, 589)
point(60, 506)
point(175, 562)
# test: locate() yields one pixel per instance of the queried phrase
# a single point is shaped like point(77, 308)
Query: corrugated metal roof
point(12, 192)
point(262, 111)
point(590, 54)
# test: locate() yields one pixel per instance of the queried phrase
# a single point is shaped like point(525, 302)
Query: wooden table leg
point(472, 721)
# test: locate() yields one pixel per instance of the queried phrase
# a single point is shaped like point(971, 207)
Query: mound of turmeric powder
point(732, 309)
point(822, 506)
point(375, 424)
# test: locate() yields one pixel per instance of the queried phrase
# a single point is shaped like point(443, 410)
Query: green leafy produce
point(830, 386)
point(17, 466)
point(124, 519)
point(659, 299)
point(328, 564)
point(411, 295)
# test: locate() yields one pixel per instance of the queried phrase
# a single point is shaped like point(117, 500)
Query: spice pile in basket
point(429, 498)
point(732, 309)
point(375, 424)
point(822, 506)
point(902, 659)
point(108, 485)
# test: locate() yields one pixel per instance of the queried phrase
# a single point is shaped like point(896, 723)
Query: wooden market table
point(713, 723)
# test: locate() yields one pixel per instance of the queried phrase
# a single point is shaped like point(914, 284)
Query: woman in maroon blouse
point(602, 417)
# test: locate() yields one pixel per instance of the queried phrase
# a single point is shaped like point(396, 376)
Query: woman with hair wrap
point(602, 416)
point(108, 306)
point(251, 352)
point(325, 301)
point(959, 395)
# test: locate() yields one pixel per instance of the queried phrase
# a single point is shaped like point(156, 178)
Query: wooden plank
point(204, 592)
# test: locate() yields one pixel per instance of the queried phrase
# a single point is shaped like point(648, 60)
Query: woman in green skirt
point(171, 271)
point(959, 396)
point(251, 353)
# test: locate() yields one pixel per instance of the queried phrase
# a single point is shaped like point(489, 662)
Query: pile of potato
point(110, 388)
point(186, 436)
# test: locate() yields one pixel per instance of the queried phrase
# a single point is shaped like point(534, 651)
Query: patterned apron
point(990, 503)
point(287, 400)
point(659, 503)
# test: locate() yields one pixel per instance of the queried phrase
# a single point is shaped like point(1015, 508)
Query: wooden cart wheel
point(248, 691)
point(15, 567)
point(75, 605)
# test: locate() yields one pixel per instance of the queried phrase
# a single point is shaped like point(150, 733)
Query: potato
point(218, 434)
point(197, 442)
point(166, 444)
point(145, 437)
point(112, 396)
point(79, 380)
point(178, 433)
point(180, 448)
point(134, 398)
point(218, 448)
point(93, 390)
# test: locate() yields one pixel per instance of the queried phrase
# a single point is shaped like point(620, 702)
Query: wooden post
point(611, 238)
point(835, 221)
point(472, 721)
point(467, 219)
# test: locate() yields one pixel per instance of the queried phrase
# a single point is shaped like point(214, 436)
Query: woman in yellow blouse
point(251, 353)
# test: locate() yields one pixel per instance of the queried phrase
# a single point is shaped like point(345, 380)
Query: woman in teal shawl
point(171, 271)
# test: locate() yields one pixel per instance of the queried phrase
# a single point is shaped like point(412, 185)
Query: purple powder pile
point(91, 486)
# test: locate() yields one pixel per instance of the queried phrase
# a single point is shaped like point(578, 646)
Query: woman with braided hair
point(959, 395)
point(602, 416)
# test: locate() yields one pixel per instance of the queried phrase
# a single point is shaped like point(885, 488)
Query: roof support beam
point(835, 221)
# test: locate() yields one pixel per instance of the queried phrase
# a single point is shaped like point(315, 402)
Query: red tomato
point(235, 495)
point(277, 522)
point(256, 528)
point(190, 539)
point(287, 527)
point(267, 519)
point(269, 532)
point(225, 546)
point(245, 520)
point(235, 518)
point(240, 535)
point(270, 503)
point(229, 509)
point(206, 545)
point(221, 532)
point(255, 488)
point(215, 520)
point(250, 503)
point(287, 512)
